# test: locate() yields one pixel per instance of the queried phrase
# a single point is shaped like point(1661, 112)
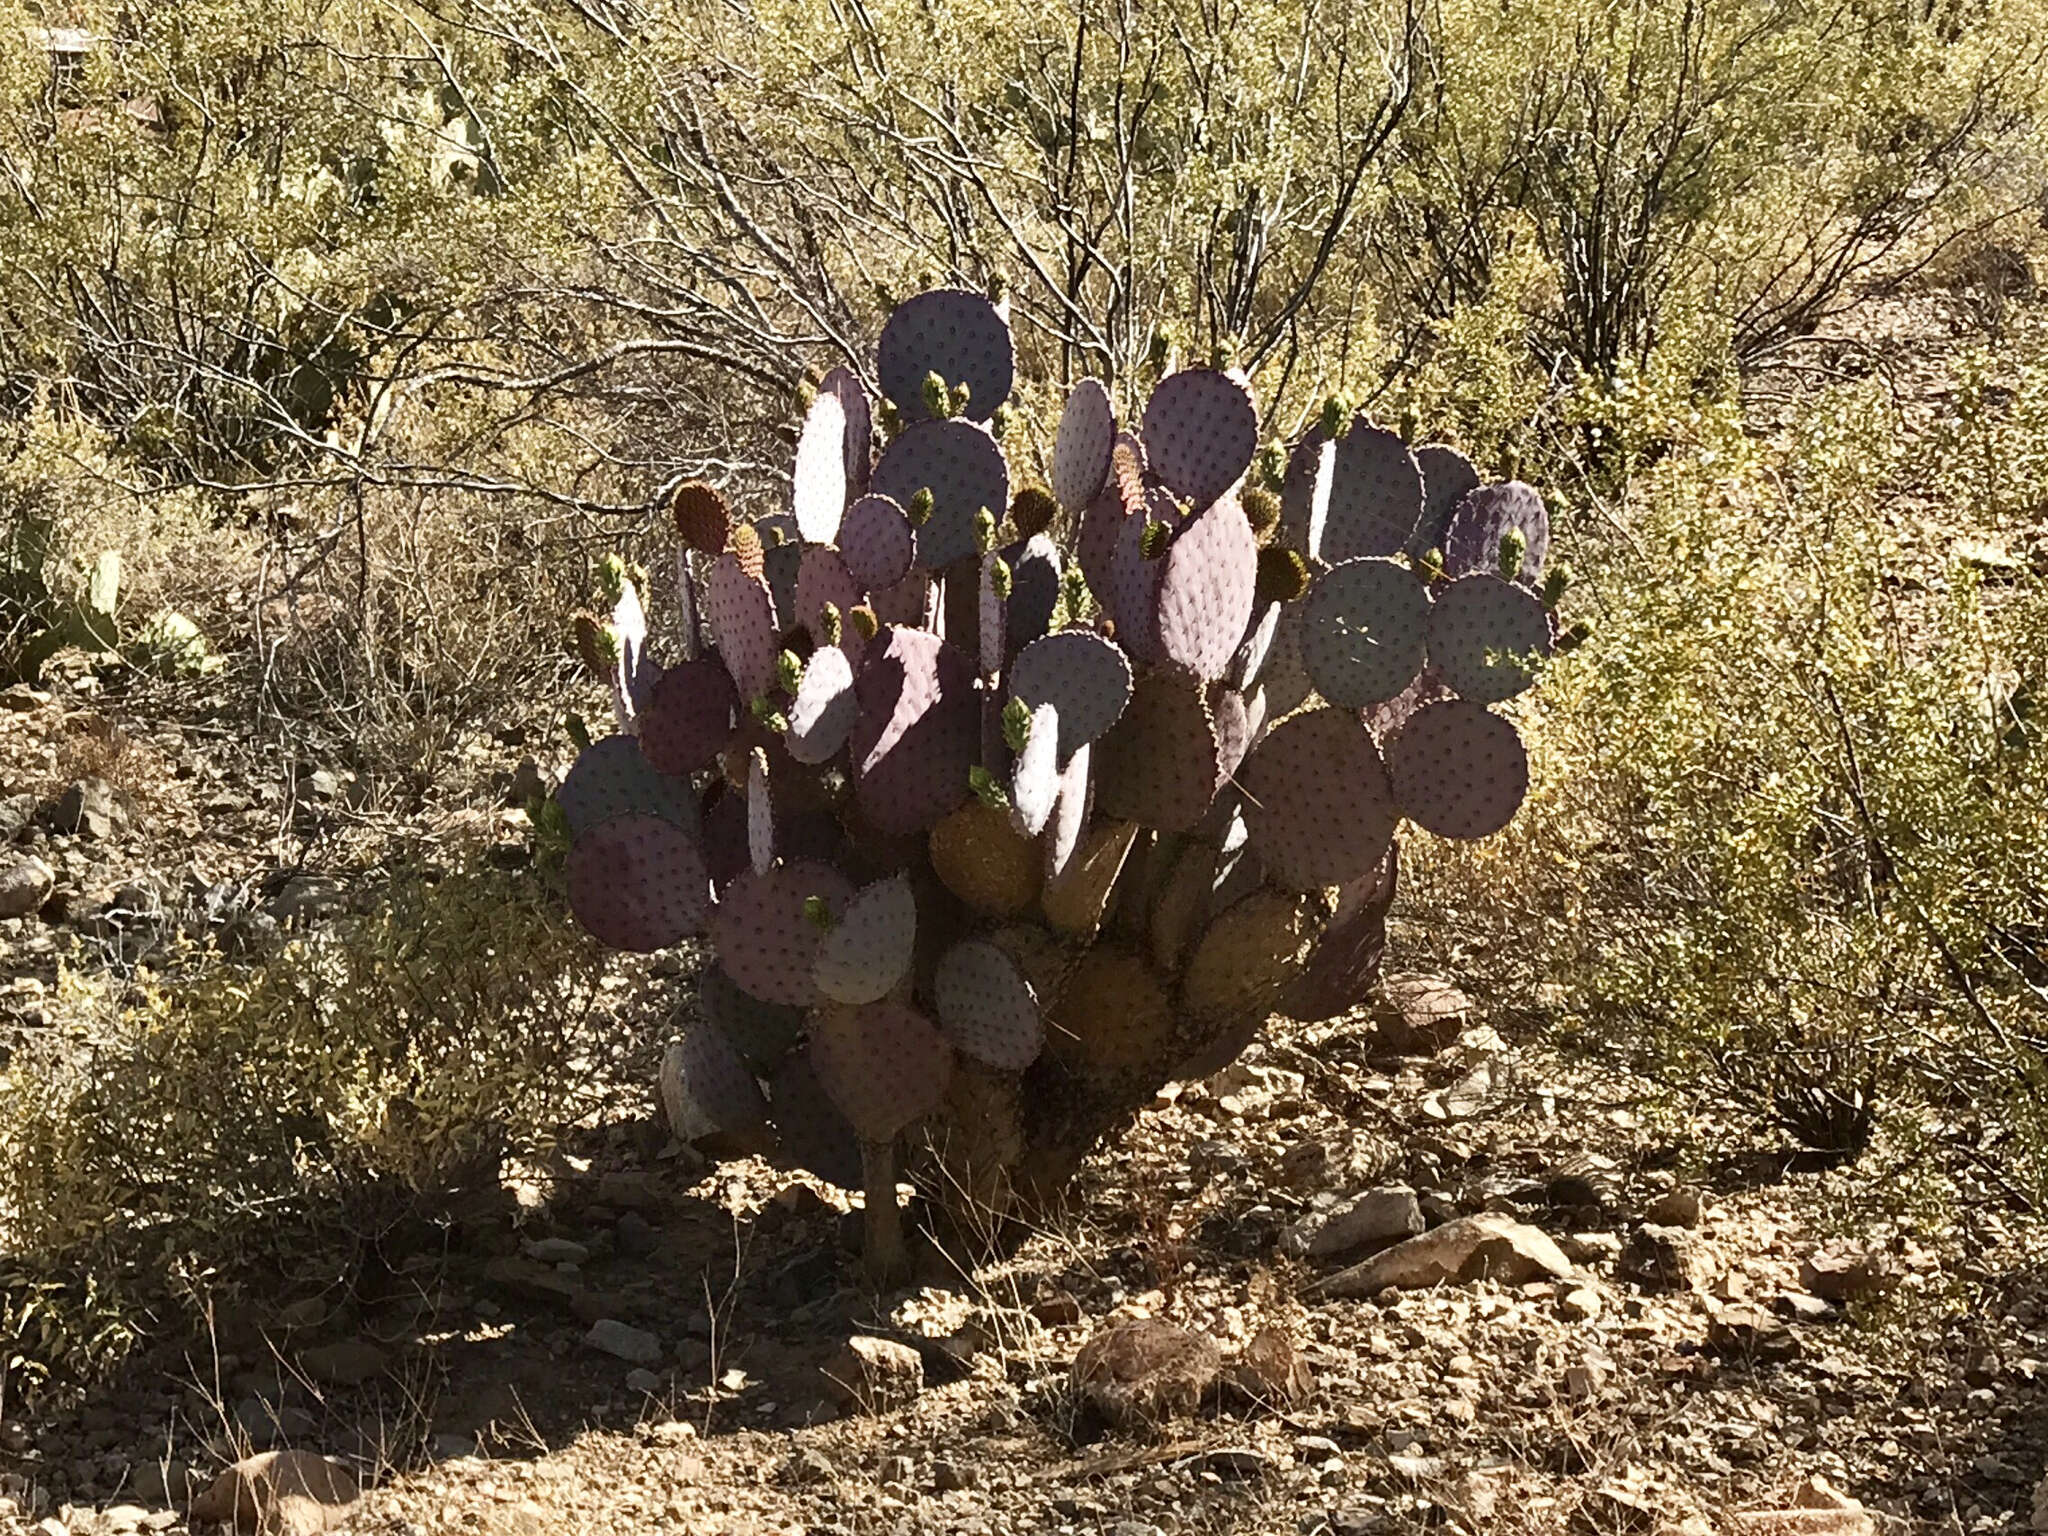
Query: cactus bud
point(1261, 510)
point(789, 671)
point(1409, 423)
point(1272, 466)
point(1429, 565)
point(892, 419)
point(1283, 575)
point(829, 625)
point(766, 714)
point(984, 531)
point(999, 423)
point(1160, 350)
point(1557, 580)
point(937, 403)
point(1336, 416)
point(806, 396)
point(611, 579)
point(998, 288)
point(1153, 541)
point(1514, 545)
point(1032, 510)
point(745, 545)
point(999, 579)
point(1074, 594)
point(986, 789)
point(818, 915)
point(957, 399)
point(577, 732)
point(920, 508)
point(865, 624)
point(1016, 724)
point(596, 646)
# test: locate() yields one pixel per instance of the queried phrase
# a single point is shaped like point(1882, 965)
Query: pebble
point(557, 1250)
point(643, 1381)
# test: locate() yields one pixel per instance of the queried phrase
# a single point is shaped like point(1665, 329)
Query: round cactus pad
point(956, 334)
point(882, 1064)
point(1318, 803)
point(1447, 479)
point(824, 710)
point(919, 730)
point(814, 1135)
point(963, 468)
point(761, 1032)
point(1201, 430)
point(981, 857)
point(703, 520)
point(818, 483)
point(1249, 954)
point(1113, 1014)
point(1375, 496)
point(690, 716)
point(742, 617)
point(1160, 764)
point(872, 945)
point(1458, 770)
point(612, 778)
point(1487, 637)
point(822, 578)
point(1206, 587)
point(986, 1007)
point(877, 542)
point(1085, 677)
point(860, 424)
point(1364, 631)
point(638, 883)
point(1080, 454)
point(718, 1080)
point(1484, 518)
point(765, 939)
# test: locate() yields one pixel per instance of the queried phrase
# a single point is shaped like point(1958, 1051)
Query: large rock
point(1665, 1259)
point(1488, 1246)
point(345, 1362)
point(1139, 1373)
point(872, 1375)
point(25, 884)
point(91, 808)
point(16, 812)
point(1817, 1509)
point(1375, 1219)
point(1842, 1271)
point(622, 1341)
point(1419, 1015)
point(279, 1493)
point(1270, 1372)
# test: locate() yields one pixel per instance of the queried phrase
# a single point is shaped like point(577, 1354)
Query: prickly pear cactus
point(1001, 804)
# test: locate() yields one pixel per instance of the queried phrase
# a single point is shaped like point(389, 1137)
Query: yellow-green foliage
point(197, 1126)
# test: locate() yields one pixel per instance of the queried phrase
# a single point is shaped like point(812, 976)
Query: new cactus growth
point(1007, 835)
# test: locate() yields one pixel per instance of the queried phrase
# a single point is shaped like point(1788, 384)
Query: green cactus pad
point(1082, 675)
point(761, 1032)
point(1375, 496)
point(1364, 631)
point(1347, 954)
point(1447, 479)
point(613, 778)
point(690, 717)
point(980, 856)
point(717, 1080)
point(638, 883)
point(1206, 590)
point(813, 1134)
point(877, 543)
point(1114, 1015)
point(818, 483)
point(871, 948)
point(764, 939)
point(883, 1065)
point(986, 1007)
point(1160, 764)
point(1488, 636)
point(919, 730)
point(1035, 775)
point(1201, 430)
point(824, 710)
point(1080, 455)
point(963, 468)
point(1471, 542)
point(1318, 802)
point(1457, 770)
point(1246, 958)
point(742, 617)
point(956, 334)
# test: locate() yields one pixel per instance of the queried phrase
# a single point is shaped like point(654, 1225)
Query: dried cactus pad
point(690, 716)
point(613, 778)
point(986, 1007)
point(638, 883)
point(1247, 957)
point(1319, 806)
point(1161, 763)
point(761, 1032)
point(703, 520)
point(765, 939)
point(818, 483)
point(1201, 430)
point(956, 334)
point(860, 424)
point(1076, 897)
point(824, 709)
point(919, 730)
point(877, 542)
point(872, 945)
point(1364, 631)
point(742, 617)
point(1113, 1014)
point(814, 1135)
point(882, 1064)
point(1080, 455)
point(1458, 770)
point(1487, 636)
point(963, 468)
point(720, 1082)
point(1488, 515)
point(1375, 496)
point(1447, 479)
point(1082, 675)
point(984, 860)
point(1206, 588)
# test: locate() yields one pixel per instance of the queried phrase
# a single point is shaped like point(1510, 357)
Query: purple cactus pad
point(1317, 801)
point(860, 426)
point(1488, 515)
point(1364, 631)
point(1447, 479)
point(825, 709)
point(883, 1064)
point(818, 484)
point(1201, 430)
point(956, 334)
point(690, 717)
point(1084, 676)
point(1160, 764)
point(919, 730)
point(762, 1032)
point(962, 466)
point(1206, 589)
point(877, 543)
point(1488, 636)
point(742, 617)
point(986, 1007)
point(612, 778)
point(814, 1135)
point(1080, 455)
point(638, 883)
point(870, 949)
point(1457, 770)
point(1375, 496)
point(765, 940)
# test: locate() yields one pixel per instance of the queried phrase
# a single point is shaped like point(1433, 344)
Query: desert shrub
point(181, 1135)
